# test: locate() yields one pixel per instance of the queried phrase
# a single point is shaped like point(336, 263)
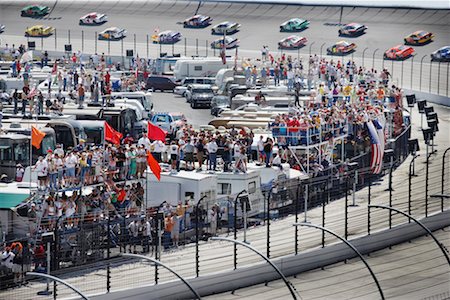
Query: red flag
point(36, 137)
point(55, 68)
point(154, 165)
point(156, 133)
point(112, 135)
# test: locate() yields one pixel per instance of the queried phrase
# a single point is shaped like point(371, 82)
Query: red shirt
point(293, 125)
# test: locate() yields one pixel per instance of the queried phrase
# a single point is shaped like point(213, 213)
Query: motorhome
point(94, 131)
point(126, 120)
point(198, 67)
point(145, 98)
point(15, 149)
point(180, 187)
point(68, 132)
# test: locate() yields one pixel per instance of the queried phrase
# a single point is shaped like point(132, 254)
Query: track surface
point(387, 26)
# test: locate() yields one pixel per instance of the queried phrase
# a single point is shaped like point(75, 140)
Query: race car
point(292, 42)
point(352, 29)
point(399, 52)
point(419, 38)
point(341, 48)
point(112, 34)
point(230, 43)
point(294, 24)
point(226, 27)
point(34, 11)
point(442, 54)
point(166, 37)
point(2, 28)
point(93, 18)
point(39, 31)
point(197, 21)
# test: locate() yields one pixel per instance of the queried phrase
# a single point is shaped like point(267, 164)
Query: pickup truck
point(199, 95)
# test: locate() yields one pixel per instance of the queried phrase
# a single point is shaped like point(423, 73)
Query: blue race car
point(197, 21)
point(442, 54)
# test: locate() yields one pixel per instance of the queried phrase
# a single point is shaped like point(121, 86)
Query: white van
point(198, 67)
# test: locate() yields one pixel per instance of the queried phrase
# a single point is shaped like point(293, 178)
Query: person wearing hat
point(19, 172)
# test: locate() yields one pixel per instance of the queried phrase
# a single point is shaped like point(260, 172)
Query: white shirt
point(159, 146)
point(71, 161)
point(8, 262)
point(260, 145)
point(277, 160)
point(144, 141)
point(211, 147)
point(173, 150)
point(41, 168)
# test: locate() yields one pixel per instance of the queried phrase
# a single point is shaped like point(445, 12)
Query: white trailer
point(199, 67)
point(175, 188)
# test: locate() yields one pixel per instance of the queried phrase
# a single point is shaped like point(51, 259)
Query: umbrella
point(26, 57)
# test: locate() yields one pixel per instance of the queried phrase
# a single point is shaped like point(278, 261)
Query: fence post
point(296, 216)
point(146, 44)
point(109, 47)
point(412, 66)
point(54, 290)
point(82, 40)
point(426, 183)
point(268, 224)
point(56, 40)
point(447, 79)
point(206, 48)
point(443, 177)
point(392, 69)
point(369, 198)
point(410, 175)
point(324, 202)
point(439, 76)
point(134, 42)
point(185, 46)
point(420, 75)
point(346, 209)
point(363, 55)
point(321, 47)
point(68, 35)
point(95, 39)
point(431, 67)
point(108, 256)
point(42, 43)
point(402, 73)
point(196, 47)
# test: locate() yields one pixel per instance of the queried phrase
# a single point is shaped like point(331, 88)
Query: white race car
point(112, 34)
point(226, 27)
point(93, 18)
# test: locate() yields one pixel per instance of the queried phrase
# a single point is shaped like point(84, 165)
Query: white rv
point(182, 186)
point(198, 67)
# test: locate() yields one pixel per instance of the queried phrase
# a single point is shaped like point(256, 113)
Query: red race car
point(399, 52)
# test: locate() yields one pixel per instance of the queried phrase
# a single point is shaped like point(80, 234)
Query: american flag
point(376, 134)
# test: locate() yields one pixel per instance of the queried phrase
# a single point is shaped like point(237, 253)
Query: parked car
point(341, 48)
point(399, 52)
point(419, 38)
point(292, 42)
point(441, 54)
point(199, 95)
point(294, 24)
point(160, 83)
point(163, 121)
point(93, 18)
point(226, 27)
point(39, 31)
point(218, 104)
point(197, 21)
point(352, 29)
point(182, 88)
point(166, 37)
point(112, 34)
point(230, 43)
point(34, 11)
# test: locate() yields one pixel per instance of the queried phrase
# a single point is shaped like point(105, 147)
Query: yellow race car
point(419, 38)
point(39, 31)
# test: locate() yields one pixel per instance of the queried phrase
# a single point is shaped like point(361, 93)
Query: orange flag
point(154, 165)
point(36, 137)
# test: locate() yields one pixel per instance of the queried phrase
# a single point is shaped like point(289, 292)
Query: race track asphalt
point(260, 26)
